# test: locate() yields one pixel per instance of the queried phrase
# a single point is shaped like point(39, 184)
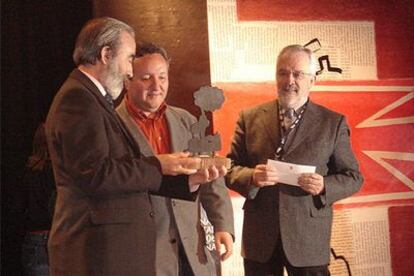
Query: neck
point(93, 70)
point(295, 106)
point(97, 74)
point(90, 69)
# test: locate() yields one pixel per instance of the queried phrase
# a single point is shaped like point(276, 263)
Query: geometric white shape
point(373, 121)
point(378, 156)
point(377, 197)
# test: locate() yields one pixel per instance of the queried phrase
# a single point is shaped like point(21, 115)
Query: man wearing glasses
point(288, 226)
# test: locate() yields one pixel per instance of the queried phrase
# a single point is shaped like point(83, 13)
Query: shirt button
point(151, 214)
point(173, 241)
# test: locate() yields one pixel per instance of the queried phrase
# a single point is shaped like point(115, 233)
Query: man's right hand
point(178, 163)
point(264, 175)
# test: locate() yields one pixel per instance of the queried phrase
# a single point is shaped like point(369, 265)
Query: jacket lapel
point(134, 130)
point(179, 141)
point(271, 126)
point(91, 87)
point(306, 127)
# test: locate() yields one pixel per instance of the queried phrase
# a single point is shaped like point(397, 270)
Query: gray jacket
point(303, 221)
point(178, 221)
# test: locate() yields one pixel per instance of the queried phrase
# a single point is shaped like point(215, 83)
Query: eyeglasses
point(297, 75)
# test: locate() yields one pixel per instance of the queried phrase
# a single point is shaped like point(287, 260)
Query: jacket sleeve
point(216, 201)
point(343, 178)
point(240, 175)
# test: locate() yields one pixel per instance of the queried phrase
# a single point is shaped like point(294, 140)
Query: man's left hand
point(312, 183)
point(207, 175)
point(224, 238)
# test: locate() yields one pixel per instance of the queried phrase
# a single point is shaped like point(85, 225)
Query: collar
point(295, 111)
point(95, 81)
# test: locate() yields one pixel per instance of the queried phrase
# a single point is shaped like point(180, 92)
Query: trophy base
point(208, 161)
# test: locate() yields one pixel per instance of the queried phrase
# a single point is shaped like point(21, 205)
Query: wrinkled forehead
point(126, 43)
point(151, 57)
point(296, 60)
point(150, 63)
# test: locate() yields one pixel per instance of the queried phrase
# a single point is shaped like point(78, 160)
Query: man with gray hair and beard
point(288, 226)
point(104, 220)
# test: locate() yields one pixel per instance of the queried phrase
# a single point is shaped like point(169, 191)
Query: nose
point(156, 83)
point(291, 78)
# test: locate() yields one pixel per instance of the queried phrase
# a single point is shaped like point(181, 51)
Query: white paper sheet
point(289, 172)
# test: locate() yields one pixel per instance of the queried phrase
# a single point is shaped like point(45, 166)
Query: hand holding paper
point(312, 183)
point(264, 175)
point(288, 173)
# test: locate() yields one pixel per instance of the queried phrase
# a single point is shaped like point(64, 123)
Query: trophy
point(207, 99)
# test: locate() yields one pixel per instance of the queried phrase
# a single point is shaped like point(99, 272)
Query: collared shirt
point(155, 129)
point(288, 116)
point(288, 131)
point(95, 81)
point(154, 126)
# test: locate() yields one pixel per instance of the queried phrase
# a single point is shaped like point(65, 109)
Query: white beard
point(113, 81)
point(114, 92)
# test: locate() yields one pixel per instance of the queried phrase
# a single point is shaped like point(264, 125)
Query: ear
point(106, 54)
point(313, 80)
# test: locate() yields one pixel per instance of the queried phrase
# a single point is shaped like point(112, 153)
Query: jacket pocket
point(319, 213)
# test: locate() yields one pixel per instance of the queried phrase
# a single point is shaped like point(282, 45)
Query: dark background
point(37, 39)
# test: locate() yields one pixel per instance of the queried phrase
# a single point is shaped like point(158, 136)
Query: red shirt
point(154, 127)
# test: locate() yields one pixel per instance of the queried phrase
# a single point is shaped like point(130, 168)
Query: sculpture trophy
point(207, 99)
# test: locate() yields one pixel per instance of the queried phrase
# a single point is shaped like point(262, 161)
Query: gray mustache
point(290, 88)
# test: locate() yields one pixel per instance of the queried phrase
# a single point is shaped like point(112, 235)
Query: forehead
point(127, 43)
point(294, 60)
point(151, 62)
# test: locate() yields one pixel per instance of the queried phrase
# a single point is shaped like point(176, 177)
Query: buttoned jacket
point(303, 221)
point(178, 221)
point(104, 219)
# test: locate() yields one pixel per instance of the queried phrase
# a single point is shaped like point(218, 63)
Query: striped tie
point(109, 99)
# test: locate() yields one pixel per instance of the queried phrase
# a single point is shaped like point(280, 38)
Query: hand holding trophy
point(207, 99)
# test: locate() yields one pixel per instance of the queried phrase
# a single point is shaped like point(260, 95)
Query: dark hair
point(96, 34)
point(148, 48)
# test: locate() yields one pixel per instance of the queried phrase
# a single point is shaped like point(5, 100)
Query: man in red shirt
point(159, 128)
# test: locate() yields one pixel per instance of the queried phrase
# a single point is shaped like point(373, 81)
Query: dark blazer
point(103, 222)
point(178, 221)
point(303, 221)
